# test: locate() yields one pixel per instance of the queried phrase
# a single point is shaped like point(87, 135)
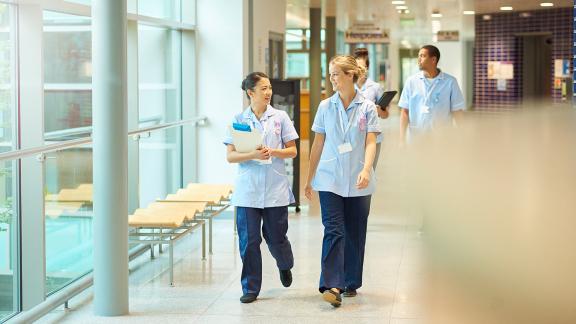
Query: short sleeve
point(405, 96)
point(288, 130)
point(228, 136)
point(318, 126)
point(456, 98)
point(372, 122)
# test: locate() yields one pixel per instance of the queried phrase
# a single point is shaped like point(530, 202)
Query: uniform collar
point(248, 114)
point(440, 75)
point(358, 99)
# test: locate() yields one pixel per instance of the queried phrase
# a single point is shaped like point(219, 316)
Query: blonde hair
point(347, 64)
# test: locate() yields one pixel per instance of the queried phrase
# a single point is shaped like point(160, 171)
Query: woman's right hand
point(262, 153)
point(308, 191)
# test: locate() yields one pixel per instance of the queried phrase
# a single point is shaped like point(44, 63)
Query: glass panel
point(166, 9)
point(67, 71)
point(322, 37)
point(160, 165)
point(131, 6)
point(9, 250)
point(188, 11)
point(297, 65)
point(294, 39)
point(68, 209)
point(159, 71)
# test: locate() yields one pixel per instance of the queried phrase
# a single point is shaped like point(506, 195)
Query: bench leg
point(203, 240)
point(210, 235)
point(235, 219)
point(160, 245)
point(171, 257)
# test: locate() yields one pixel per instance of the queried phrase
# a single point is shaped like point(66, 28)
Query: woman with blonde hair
point(341, 157)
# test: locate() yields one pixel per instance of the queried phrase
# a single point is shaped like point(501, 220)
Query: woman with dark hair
point(371, 90)
point(262, 191)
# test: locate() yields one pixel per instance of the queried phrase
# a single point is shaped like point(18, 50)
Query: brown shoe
point(332, 297)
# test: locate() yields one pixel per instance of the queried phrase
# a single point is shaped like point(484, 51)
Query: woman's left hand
point(382, 113)
point(363, 179)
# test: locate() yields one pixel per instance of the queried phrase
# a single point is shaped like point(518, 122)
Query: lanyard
point(429, 93)
point(341, 120)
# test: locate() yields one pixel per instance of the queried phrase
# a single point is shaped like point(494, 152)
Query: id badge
point(426, 110)
point(344, 148)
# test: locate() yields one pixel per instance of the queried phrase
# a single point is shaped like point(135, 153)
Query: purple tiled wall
point(496, 41)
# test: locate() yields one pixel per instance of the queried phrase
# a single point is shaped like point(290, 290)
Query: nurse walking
point(341, 157)
point(262, 191)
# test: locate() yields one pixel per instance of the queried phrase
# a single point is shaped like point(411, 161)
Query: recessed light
point(401, 7)
point(399, 11)
point(546, 4)
point(406, 11)
point(469, 12)
point(506, 8)
point(398, 2)
point(436, 14)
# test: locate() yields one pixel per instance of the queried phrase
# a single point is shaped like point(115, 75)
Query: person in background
point(430, 97)
point(371, 90)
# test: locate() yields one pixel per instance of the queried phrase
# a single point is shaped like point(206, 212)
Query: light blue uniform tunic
point(373, 91)
point(264, 185)
point(430, 102)
point(338, 173)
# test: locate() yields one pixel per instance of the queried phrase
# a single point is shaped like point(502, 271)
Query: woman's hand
point(382, 113)
point(262, 153)
point(363, 179)
point(308, 191)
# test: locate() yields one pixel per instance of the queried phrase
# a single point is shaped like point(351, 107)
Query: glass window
point(9, 284)
point(166, 9)
point(68, 212)
point(297, 65)
point(159, 71)
point(160, 159)
point(294, 39)
point(67, 71)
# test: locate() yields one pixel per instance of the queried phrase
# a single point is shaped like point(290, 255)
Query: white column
point(110, 157)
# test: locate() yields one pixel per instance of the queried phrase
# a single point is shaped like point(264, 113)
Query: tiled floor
point(208, 291)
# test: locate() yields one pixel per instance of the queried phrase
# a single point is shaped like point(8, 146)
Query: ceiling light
point(546, 4)
point(436, 14)
point(469, 12)
point(400, 11)
point(401, 7)
point(506, 8)
point(399, 2)
point(406, 11)
point(525, 15)
point(486, 17)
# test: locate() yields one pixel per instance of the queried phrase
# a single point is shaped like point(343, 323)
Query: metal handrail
point(87, 130)
point(18, 154)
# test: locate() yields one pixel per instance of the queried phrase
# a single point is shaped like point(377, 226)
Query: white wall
point(221, 68)
point(222, 64)
point(269, 16)
point(453, 62)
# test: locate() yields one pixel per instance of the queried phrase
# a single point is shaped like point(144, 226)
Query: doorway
point(536, 51)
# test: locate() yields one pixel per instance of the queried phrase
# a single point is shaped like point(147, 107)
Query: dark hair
point(362, 53)
point(251, 80)
point(432, 51)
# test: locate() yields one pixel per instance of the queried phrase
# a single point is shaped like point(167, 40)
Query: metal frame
point(173, 235)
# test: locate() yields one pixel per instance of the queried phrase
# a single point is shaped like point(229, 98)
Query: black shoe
point(286, 277)
point(349, 292)
point(248, 298)
point(332, 297)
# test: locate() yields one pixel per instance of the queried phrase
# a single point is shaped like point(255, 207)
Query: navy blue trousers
point(274, 222)
point(345, 221)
